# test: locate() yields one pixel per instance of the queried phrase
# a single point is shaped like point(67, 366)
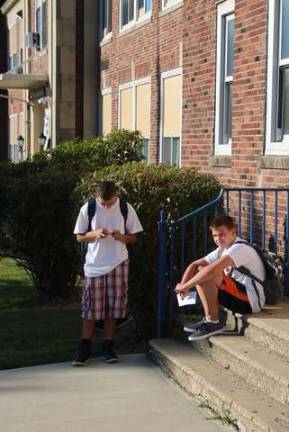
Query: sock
point(208, 319)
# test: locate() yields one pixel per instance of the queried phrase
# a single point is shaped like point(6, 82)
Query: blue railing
point(262, 215)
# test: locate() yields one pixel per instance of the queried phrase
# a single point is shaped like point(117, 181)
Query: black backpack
point(274, 273)
point(91, 209)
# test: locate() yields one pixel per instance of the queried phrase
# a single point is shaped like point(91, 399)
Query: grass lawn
point(32, 333)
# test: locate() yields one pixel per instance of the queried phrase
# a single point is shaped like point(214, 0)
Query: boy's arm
point(206, 274)
point(193, 268)
point(125, 238)
point(92, 235)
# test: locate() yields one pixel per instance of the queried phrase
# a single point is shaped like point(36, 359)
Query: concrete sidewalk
point(130, 396)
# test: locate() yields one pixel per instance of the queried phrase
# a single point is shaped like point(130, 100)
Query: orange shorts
point(233, 296)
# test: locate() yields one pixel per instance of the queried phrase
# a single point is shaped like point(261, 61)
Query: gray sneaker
point(190, 328)
point(205, 330)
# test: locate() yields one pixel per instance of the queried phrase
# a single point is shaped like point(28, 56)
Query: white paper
point(189, 299)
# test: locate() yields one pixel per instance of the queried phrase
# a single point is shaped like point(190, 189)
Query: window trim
point(223, 9)
point(136, 20)
point(170, 3)
point(273, 148)
point(169, 74)
point(104, 92)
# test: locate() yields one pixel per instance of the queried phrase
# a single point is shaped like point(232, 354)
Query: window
point(134, 110)
point(106, 18)
point(277, 116)
point(171, 102)
point(106, 111)
point(133, 11)
point(142, 97)
point(41, 22)
point(224, 78)
point(16, 45)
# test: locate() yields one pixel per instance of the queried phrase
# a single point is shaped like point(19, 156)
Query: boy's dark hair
point(223, 220)
point(105, 189)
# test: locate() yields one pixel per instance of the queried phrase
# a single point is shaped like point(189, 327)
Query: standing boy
point(218, 281)
point(104, 295)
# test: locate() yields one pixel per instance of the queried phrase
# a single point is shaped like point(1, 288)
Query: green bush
point(118, 147)
point(149, 188)
point(37, 216)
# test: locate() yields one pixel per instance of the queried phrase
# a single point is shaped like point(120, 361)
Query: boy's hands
point(181, 289)
point(97, 234)
point(116, 234)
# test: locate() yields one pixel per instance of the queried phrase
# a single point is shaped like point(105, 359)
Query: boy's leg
point(87, 328)
point(208, 293)
point(116, 296)
point(92, 309)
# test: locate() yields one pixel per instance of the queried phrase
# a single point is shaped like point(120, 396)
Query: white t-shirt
point(103, 255)
point(244, 255)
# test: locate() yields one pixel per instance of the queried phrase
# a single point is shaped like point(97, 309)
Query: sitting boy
point(218, 281)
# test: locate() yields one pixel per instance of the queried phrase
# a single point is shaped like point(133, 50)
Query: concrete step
point(268, 329)
point(265, 371)
point(217, 386)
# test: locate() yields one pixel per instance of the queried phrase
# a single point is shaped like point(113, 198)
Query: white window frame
point(274, 50)
point(136, 19)
point(37, 3)
point(223, 10)
point(107, 35)
point(164, 75)
point(104, 92)
point(169, 3)
point(133, 85)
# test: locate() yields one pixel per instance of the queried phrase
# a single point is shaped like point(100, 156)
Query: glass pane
point(109, 17)
point(176, 151)
point(230, 47)
point(44, 24)
point(131, 10)
point(227, 114)
point(124, 15)
point(166, 156)
point(283, 118)
point(148, 5)
point(145, 148)
point(285, 30)
point(38, 22)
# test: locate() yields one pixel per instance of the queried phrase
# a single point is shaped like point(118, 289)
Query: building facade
point(49, 52)
point(205, 81)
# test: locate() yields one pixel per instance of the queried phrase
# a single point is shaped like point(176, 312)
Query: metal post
point(162, 269)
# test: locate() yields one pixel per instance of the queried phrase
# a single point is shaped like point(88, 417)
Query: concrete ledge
point(219, 388)
point(220, 161)
point(274, 162)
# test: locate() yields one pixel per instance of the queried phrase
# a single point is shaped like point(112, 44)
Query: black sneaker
point(205, 330)
point(109, 351)
point(83, 355)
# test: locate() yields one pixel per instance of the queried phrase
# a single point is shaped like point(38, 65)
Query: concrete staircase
point(243, 374)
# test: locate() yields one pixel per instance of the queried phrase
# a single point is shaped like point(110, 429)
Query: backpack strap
point(246, 271)
point(124, 210)
point(90, 211)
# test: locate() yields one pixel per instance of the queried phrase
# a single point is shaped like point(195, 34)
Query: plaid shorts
point(106, 295)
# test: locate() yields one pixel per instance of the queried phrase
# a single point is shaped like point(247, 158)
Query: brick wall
point(144, 52)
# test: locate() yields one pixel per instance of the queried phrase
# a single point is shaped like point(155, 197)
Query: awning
point(22, 81)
